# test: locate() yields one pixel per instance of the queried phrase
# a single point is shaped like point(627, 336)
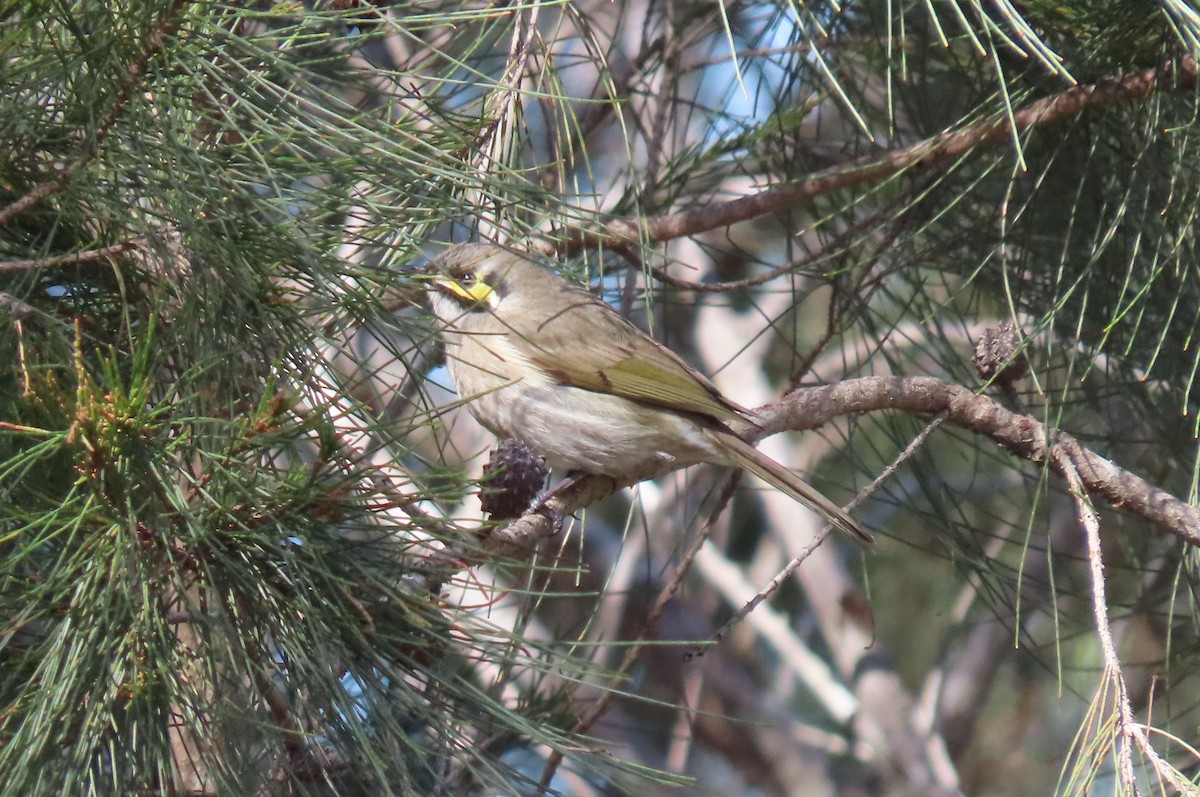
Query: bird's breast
point(572, 428)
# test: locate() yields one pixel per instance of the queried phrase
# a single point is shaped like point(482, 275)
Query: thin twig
point(776, 631)
point(133, 73)
point(934, 153)
point(73, 259)
point(665, 595)
point(1129, 731)
point(1108, 650)
point(775, 583)
point(809, 263)
point(842, 300)
point(502, 108)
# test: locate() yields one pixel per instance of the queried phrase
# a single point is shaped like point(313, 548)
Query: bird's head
point(471, 278)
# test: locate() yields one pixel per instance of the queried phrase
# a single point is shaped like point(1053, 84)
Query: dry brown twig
point(653, 615)
point(75, 258)
point(929, 154)
point(150, 45)
point(1020, 434)
point(788, 569)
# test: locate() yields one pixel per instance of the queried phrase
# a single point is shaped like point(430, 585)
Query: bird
point(544, 361)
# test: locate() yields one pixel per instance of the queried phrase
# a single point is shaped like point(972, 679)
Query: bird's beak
point(476, 292)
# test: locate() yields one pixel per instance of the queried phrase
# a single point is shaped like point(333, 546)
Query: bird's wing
point(590, 346)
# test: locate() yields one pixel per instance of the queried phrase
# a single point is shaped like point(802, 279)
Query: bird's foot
point(541, 504)
point(554, 515)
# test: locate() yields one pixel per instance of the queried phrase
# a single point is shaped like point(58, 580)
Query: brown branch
point(1021, 435)
point(133, 73)
point(928, 154)
point(73, 259)
point(812, 407)
point(17, 310)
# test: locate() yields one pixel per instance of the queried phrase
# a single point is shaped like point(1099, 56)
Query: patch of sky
point(769, 47)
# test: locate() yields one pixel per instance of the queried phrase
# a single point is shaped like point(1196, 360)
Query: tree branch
point(73, 259)
point(1021, 435)
point(1126, 733)
point(133, 73)
point(928, 154)
point(812, 407)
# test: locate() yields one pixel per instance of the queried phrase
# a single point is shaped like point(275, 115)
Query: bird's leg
point(557, 521)
point(572, 478)
point(541, 504)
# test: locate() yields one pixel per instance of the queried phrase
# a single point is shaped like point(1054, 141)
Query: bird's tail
point(746, 456)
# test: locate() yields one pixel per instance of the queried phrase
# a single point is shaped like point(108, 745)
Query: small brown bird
point(545, 362)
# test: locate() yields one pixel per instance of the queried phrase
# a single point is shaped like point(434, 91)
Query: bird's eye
point(469, 288)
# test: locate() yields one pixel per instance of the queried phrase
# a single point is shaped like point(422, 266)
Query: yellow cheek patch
point(476, 292)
